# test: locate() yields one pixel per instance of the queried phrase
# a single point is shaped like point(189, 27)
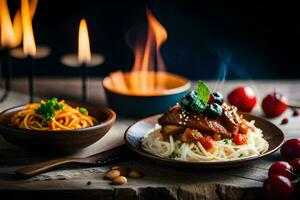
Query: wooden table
point(160, 182)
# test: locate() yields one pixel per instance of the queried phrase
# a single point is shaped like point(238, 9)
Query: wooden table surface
point(160, 182)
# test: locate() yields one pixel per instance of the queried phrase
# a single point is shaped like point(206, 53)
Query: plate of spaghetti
point(204, 131)
point(55, 124)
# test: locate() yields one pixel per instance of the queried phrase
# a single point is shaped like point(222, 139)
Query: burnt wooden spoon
point(106, 157)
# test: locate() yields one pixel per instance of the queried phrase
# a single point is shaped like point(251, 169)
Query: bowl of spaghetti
point(204, 131)
point(53, 125)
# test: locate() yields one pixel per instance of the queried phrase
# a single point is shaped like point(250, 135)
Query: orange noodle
point(65, 118)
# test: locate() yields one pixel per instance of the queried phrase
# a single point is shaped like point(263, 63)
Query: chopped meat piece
point(230, 118)
point(245, 126)
point(217, 137)
point(177, 116)
point(191, 135)
point(171, 129)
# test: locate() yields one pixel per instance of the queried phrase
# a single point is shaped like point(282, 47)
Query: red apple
point(274, 104)
point(243, 98)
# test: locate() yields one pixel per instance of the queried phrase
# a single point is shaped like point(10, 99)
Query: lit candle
point(7, 32)
point(84, 58)
point(23, 21)
point(29, 47)
point(6, 42)
point(84, 50)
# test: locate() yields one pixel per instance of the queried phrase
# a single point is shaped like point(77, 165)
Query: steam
point(224, 64)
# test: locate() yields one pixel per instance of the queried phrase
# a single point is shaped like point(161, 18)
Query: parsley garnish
point(227, 141)
point(83, 111)
point(48, 108)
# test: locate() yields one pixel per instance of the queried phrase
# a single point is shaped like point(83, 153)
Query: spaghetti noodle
point(64, 117)
point(223, 150)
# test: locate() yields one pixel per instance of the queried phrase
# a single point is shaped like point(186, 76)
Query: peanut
point(135, 174)
point(112, 174)
point(120, 180)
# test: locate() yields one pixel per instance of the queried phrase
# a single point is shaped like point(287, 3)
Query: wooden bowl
point(141, 105)
point(135, 133)
point(68, 141)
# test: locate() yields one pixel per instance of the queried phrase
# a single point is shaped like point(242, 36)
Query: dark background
point(255, 40)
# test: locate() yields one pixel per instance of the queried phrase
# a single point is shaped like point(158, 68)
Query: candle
point(29, 47)
point(84, 58)
point(41, 51)
point(6, 42)
point(84, 51)
point(7, 32)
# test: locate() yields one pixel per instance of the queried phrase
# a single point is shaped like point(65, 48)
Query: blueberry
point(218, 98)
point(184, 102)
point(192, 102)
point(213, 110)
point(188, 99)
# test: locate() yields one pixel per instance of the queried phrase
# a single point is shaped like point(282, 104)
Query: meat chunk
point(245, 126)
point(177, 116)
point(171, 129)
point(191, 135)
point(230, 118)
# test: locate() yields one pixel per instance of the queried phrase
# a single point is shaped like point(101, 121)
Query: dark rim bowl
point(135, 132)
point(133, 105)
point(67, 141)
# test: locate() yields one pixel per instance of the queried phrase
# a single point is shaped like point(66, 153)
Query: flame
point(7, 32)
point(84, 51)
point(17, 27)
point(143, 79)
point(17, 22)
point(12, 34)
point(29, 47)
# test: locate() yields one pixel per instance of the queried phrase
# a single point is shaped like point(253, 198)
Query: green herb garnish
point(48, 108)
point(196, 101)
point(83, 111)
point(192, 102)
point(203, 92)
point(227, 141)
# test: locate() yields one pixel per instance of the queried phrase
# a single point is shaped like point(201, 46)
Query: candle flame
point(84, 51)
point(29, 47)
point(7, 32)
point(17, 23)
